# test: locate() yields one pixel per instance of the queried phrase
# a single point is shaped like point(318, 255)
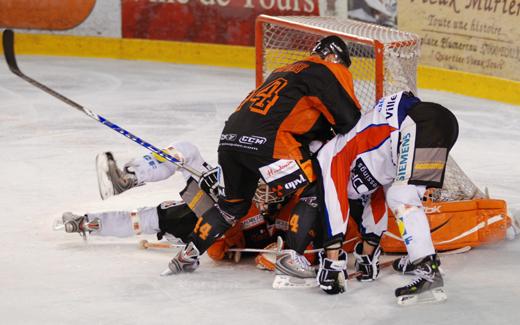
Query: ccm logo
point(252, 140)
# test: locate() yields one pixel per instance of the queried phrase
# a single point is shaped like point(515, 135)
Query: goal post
point(384, 60)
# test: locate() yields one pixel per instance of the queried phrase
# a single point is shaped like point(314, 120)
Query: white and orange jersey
point(359, 164)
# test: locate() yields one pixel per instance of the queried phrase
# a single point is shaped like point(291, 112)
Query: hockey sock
point(211, 226)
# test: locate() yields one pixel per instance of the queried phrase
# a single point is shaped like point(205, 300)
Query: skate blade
point(58, 224)
point(431, 296)
point(106, 188)
point(291, 282)
point(167, 272)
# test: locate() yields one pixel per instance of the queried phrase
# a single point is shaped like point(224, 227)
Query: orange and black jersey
point(297, 104)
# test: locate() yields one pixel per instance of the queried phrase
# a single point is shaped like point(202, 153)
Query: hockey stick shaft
point(307, 251)
point(147, 244)
point(8, 44)
point(144, 244)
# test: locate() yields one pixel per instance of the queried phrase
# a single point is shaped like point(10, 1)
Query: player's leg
point(153, 168)
point(241, 178)
point(111, 179)
point(303, 220)
point(144, 169)
point(427, 135)
point(172, 217)
point(302, 224)
point(176, 219)
point(113, 223)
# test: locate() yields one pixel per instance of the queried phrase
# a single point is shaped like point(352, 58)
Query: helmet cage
point(264, 195)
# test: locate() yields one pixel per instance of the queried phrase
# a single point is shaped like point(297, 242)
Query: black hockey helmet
point(333, 45)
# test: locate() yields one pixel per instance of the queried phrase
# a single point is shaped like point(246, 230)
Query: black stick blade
point(8, 44)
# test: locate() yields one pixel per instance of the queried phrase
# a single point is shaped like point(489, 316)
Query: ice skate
point(293, 270)
point(186, 261)
point(426, 288)
point(405, 266)
point(111, 179)
point(80, 224)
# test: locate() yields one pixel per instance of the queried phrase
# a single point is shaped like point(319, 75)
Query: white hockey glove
point(187, 260)
point(368, 265)
point(209, 182)
point(332, 274)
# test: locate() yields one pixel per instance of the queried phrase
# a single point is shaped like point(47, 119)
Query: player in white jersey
point(400, 147)
point(172, 217)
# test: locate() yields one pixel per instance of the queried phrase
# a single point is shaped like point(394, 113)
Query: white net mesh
point(457, 186)
point(285, 44)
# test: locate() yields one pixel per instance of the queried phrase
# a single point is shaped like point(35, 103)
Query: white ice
point(48, 150)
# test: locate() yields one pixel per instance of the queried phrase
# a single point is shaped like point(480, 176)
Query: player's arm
point(335, 96)
point(371, 215)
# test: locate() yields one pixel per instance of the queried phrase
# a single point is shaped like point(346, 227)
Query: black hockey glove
point(209, 182)
point(332, 274)
point(368, 265)
point(187, 260)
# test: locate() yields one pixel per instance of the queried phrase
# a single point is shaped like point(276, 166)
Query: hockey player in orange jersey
point(269, 134)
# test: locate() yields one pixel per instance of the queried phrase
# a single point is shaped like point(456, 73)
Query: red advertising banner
point(205, 21)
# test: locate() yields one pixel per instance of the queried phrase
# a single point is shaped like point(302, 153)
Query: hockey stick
point(8, 43)
point(381, 266)
point(146, 244)
point(291, 282)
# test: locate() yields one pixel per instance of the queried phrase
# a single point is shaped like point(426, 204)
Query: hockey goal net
point(384, 61)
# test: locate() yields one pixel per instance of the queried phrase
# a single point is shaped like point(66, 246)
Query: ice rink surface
point(48, 151)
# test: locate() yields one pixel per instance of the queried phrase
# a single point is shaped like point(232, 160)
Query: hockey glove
point(368, 265)
point(209, 182)
point(332, 274)
point(187, 260)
